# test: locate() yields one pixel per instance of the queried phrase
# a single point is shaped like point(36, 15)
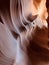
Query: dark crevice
point(1, 20)
point(22, 28)
point(31, 18)
point(25, 23)
point(15, 35)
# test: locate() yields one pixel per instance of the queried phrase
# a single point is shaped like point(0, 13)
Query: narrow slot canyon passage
point(38, 46)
